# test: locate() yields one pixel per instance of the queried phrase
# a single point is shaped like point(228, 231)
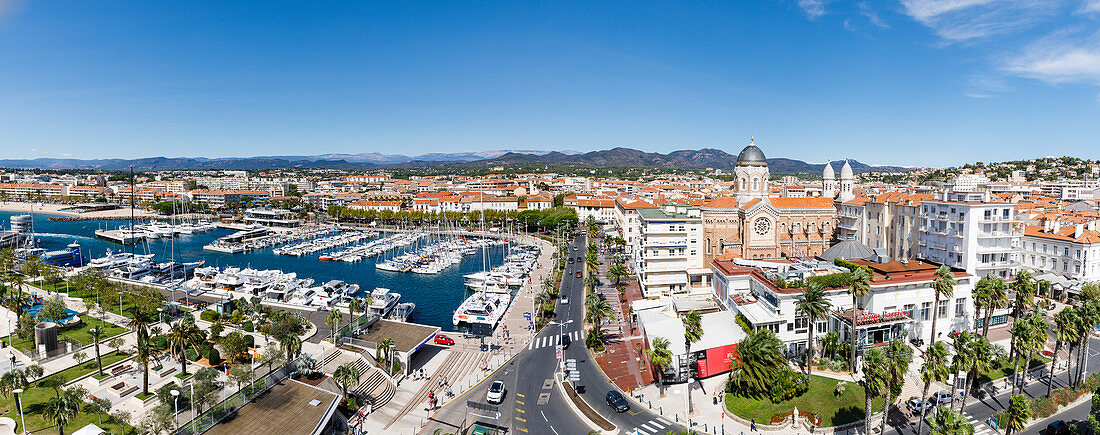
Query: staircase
point(376, 388)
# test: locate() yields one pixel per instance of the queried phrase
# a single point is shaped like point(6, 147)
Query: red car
point(445, 340)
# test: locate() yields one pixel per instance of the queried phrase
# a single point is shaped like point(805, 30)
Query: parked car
point(617, 402)
point(1058, 427)
point(444, 340)
point(565, 340)
point(942, 398)
point(495, 393)
point(919, 406)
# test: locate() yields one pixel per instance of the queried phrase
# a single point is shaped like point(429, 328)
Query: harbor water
point(436, 296)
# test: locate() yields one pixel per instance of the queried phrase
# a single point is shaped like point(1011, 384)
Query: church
point(750, 223)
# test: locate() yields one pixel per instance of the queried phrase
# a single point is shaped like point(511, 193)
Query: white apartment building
point(670, 250)
point(1070, 251)
point(852, 220)
point(967, 230)
point(970, 182)
point(899, 305)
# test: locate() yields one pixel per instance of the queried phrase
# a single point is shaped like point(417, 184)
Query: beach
point(57, 209)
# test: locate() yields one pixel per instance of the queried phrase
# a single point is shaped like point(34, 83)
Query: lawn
point(109, 357)
point(819, 399)
point(1000, 372)
point(34, 400)
point(79, 333)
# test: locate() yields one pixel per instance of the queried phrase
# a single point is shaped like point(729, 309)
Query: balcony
point(999, 219)
point(992, 234)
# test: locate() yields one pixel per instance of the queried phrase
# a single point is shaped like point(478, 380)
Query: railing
point(231, 404)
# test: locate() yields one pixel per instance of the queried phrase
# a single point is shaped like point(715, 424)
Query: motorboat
point(383, 300)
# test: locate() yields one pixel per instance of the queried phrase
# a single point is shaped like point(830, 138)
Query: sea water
point(436, 296)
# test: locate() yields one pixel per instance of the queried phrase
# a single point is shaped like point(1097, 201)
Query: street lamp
point(176, 416)
point(18, 392)
point(160, 314)
point(561, 331)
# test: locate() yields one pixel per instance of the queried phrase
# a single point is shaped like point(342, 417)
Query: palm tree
point(385, 347)
point(759, 361)
point(944, 286)
point(599, 311)
point(934, 369)
point(96, 333)
point(62, 410)
point(980, 294)
point(1025, 297)
point(897, 357)
point(982, 356)
point(949, 422)
point(813, 304)
point(693, 329)
point(541, 299)
point(354, 306)
point(1089, 315)
point(333, 320)
point(1063, 333)
point(291, 343)
point(873, 382)
point(996, 298)
point(962, 344)
point(860, 287)
point(346, 374)
point(1019, 412)
point(617, 273)
point(660, 358)
point(140, 322)
point(181, 336)
point(1040, 327)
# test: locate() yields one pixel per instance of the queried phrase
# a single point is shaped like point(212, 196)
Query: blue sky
point(910, 82)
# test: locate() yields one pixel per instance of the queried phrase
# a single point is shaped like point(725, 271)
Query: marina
point(424, 298)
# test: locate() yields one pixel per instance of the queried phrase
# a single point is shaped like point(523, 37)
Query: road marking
point(544, 398)
point(521, 403)
point(544, 416)
point(521, 419)
point(520, 395)
point(647, 427)
point(552, 429)
point(521, 429)
point(521, 411)
point(656, 423)
point(643, 430)
point(663, 420)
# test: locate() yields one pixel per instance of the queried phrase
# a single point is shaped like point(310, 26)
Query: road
point(979, 411)
point(532, 404)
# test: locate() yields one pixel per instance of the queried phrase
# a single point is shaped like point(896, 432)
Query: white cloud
point(812, 8)
point(66, 154)
point(986, 86)
point(1064, 57)
point(962, 20)
point(872, 16)
point(1090, 7)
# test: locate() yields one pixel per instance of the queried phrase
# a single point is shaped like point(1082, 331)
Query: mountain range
point(616, 157)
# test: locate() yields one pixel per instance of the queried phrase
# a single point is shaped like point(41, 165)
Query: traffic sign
point(558, 353)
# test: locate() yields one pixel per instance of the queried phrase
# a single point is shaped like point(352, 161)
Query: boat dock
point(123, 237)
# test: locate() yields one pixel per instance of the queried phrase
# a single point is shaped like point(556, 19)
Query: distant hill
point(615, 157)
point(684, 159)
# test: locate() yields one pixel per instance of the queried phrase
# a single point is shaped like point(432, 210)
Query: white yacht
point(482, 310)
point(383, 301)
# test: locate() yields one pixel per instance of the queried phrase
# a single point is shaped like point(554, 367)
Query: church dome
point(751, 156)
point(846, 171)
point(828, 172)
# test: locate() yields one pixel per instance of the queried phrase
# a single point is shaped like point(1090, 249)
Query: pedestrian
point(752, 425)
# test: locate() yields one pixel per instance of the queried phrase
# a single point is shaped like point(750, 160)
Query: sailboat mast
point(133, 234)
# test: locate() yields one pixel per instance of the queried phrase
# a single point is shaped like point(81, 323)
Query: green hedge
point(213, 356)
point(250, 340)
point(833, 280)
point(191, 355)
point(852, 266)
point(247, 326)
point(209, 316)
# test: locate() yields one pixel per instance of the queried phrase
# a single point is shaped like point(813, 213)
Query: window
point(801, 322)
point(908, 308)
point(960, 306)
point(941, 311)
point(822, 327)
point(926, 311)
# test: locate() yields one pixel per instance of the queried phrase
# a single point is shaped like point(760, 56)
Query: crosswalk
point(980, 427)
point(554, 340)
point(651, 427)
